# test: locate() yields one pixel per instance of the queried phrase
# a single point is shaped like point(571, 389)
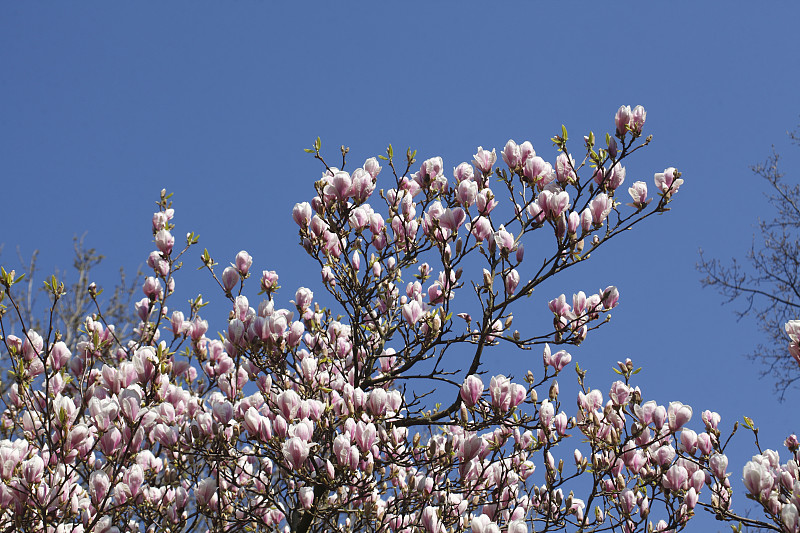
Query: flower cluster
point(368, 409)
point(776, 486)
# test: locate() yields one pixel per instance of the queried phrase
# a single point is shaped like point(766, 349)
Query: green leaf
point(564, 132)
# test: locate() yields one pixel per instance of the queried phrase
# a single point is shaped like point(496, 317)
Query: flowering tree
point(323, 417)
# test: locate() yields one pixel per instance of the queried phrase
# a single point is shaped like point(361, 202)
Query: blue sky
point(105, 104)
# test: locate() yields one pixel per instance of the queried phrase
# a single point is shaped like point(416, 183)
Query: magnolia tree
point(321, 417)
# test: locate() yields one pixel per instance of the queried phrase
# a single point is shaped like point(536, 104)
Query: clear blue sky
point(103, 104)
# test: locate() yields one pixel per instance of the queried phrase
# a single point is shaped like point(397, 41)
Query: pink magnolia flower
point(467, 192)
point(718, 464)
point(363, 185)
point(59, 355)
point(504, 240)
point(689, 441)
point(306, 497)
point(587, 219)
point(269, 281)
point(668, 181)
point(32, 470)
point(560, 422)
point(481, 228)
point(431, 521)
point(432, 167)
point(206, 493)
point(372, 166)
point(573, 223)
point(644, 412)
point(553, 203)
point(288, 403)
point(620, 392)
point(518, 526)
point(790, 517)
point(104, 411)
point(505, 394)
point(511, 154)
point(65, 411)
point(230, 278)
point(471, 390)
point(471, 447)
point(757, 478)
point(705, 443)
point(616, 177)
point(659, 416)
point(565, 168)
point(484, 160)
point(340, 186)
point(591, 401)
point(412, 312)
point(610, 297)
point(557, 360)
point(165, 241)
point(536, 212)
point(152, 288)
point(638, 192)
point(301, 214)
point(98, 486)
point(627, 499)
point(160, 220)
point(342, 450)
point(485, 201)
point(157, 262)
point(623, 119)
point(243, 262)
point(296, 451)
point(538, 171)
point(600, 208)
point(678, 415)
point(463, 172)
point(377, 402)
point(792, 328)
point(452, 219)
point(512, 281)
point(690, 498)
point(675, 478)
point(526, 152)
point(638, 117)
point(483, 524)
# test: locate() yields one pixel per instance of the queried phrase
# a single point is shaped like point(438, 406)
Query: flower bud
point(471, 390)
point(230, 277)
point(243, 262)
point(165, 241)
point(623, 119)
point(637, 120)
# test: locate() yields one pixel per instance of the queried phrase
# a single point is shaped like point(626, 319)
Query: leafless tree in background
point(115, 306)
point(768, 281)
